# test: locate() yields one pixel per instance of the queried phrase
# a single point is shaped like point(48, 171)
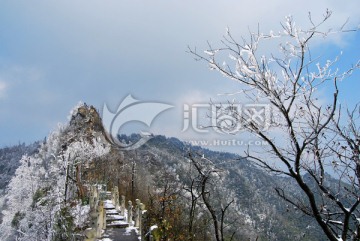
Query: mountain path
point(117, 228)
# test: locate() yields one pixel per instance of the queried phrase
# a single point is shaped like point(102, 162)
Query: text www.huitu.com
point(232, 142)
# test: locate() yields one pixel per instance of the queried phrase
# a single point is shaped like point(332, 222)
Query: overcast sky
point(54, 54)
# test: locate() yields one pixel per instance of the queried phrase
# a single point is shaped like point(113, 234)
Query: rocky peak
point(85, 121)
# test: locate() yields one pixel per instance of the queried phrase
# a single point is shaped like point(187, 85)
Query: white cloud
point(97, 51)
point(3, 87)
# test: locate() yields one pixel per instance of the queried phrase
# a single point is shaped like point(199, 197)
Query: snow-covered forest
point(34, 202)
point(48, 195)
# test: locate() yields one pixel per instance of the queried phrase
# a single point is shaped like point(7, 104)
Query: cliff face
point(85, 122)
point(86, 119)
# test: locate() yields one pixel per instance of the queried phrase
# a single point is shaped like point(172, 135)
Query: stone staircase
point(117, 227)
point(109, 217)
point(113, 217)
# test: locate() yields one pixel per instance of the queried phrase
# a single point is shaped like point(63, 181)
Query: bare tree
point(306, 136)
point(206, 178)
point(194, 198)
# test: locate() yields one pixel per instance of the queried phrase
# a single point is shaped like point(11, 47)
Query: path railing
point(99, 201)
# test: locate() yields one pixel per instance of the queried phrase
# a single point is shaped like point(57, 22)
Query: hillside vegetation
point(47, 196)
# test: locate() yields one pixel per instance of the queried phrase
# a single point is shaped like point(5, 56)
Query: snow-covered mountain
point(47, 196)
point(256, 213)
point(36, 200)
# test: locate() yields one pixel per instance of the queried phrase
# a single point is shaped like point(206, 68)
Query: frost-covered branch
point(307, 138)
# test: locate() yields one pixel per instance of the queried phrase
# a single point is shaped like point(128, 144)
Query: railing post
point(142, 209)
point(90, 233)
point(100, 219)
point(116, 198)
point(104, 217)
point(137, 213)
point(130, 214)
point(122, 205)
point(139, 208)
point(113, 196)
point(94, 232)
point(93, 197)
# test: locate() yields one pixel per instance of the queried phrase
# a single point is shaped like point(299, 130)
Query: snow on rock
point(74, 110)
point(80, 214)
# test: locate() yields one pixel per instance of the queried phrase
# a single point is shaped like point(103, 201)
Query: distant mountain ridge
point(159, 173)
point(264, 213)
